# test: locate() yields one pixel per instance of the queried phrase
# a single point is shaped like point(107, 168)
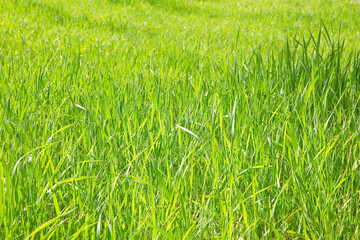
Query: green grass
point(150, 119)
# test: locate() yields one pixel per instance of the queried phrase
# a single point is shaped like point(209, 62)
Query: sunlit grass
point(179, 119)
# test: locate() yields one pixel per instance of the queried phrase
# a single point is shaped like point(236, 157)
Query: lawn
point(179, 119)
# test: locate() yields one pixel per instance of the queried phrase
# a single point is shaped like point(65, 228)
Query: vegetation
point(179, 119)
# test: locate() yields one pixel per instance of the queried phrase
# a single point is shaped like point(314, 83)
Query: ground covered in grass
point(179, 119)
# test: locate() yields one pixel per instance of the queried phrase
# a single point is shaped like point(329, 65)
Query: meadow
point(179, 119)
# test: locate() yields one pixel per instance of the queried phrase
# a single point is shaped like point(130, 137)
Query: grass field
point(179, 119)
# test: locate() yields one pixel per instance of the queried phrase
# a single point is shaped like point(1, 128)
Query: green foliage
point(179, 119)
